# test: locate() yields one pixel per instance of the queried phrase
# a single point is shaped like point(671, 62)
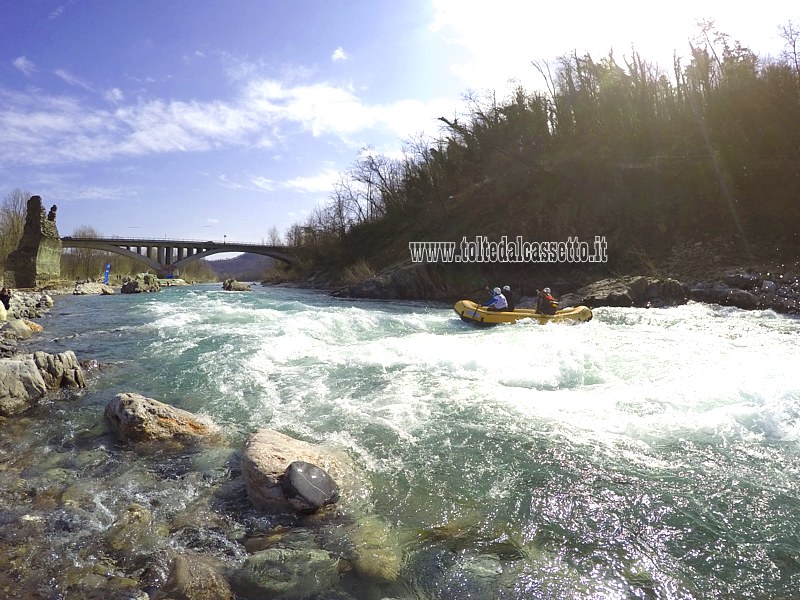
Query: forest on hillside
point(650, 159)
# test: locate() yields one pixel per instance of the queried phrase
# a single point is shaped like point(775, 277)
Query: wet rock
point(267, 455)
point(232, 285)
point(287, 573)
point(134, 535)
point(630, 291)
point(376, 553)
point(92, 288)
point(29, 305)
point(307, 487)
point(17, 329)
point(142, 283)
point(742, 281)
point(725, 296)
point(196, 578)
point(59, 370)
point(21, 385)
point(136, 418)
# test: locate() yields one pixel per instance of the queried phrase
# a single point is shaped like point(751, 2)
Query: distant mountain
point(245, 267)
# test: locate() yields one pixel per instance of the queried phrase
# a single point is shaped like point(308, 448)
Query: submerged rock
point(287, 573)
point(196, 578)
point(136, 418)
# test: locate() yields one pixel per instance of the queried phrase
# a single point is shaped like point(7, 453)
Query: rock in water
point(139, 419)
point(143, 282)
point(21, 386)
point(268, 454)
point(307, 487)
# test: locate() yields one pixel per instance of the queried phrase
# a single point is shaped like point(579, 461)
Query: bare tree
point(85, 263)
point(791, 33)
point(274, 236)
point(12, 221)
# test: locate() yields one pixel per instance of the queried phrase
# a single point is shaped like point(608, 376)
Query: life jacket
point(547, 304)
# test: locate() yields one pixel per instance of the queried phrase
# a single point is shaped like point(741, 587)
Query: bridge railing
point(166, 240)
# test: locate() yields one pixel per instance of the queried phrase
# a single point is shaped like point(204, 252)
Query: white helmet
point(546, 290)
point(496, 291)
point(506, 288)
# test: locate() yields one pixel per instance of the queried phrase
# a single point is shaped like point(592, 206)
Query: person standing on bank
point(5, 298)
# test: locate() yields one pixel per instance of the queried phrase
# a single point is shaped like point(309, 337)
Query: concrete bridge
point(166, 257)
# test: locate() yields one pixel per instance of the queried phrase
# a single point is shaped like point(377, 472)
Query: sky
point(219, 120)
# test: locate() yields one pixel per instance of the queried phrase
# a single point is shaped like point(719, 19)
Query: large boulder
point(136, 418)
point(25, 379)
point(143, 282)
point(267, 456)
point(60, 370)
point(630, 291)
point(21, 385)
point(232, 285)
point(92, 288)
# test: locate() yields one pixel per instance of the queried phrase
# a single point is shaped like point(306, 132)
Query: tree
point(84, 263)
point(274, 236)
point(12, 221)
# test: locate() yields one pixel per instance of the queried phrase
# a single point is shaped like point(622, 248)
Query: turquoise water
point(645, 454)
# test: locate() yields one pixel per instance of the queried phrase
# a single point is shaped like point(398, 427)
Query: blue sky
point(199, 119)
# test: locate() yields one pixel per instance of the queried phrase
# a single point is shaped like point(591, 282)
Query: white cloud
point(339, 54)
point(322, 182)
point(24, 65)
point(73, 79)
point(41, 129)
point(114, 95)
point(263, 183)
point(56, 13)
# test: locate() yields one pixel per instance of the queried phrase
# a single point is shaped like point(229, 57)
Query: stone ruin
point(37, 259)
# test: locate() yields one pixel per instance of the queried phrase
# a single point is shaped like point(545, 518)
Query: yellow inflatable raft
point(472, 312)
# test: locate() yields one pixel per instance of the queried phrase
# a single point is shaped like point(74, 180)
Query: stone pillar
point(37, 259)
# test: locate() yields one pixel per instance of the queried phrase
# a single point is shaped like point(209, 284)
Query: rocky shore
point(274, 517)
point(775, 287)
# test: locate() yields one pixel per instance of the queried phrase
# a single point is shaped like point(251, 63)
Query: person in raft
point(545, 303)
point(497, 302)
point(509, 298)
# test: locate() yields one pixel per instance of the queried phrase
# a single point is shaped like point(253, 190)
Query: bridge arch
point(166, 256)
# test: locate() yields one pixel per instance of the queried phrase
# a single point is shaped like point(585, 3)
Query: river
point(645, 454)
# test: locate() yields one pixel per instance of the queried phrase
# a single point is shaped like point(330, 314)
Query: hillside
point(245, 267)
point(678, 176)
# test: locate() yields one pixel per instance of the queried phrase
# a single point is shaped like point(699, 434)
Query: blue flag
point(108, 268)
